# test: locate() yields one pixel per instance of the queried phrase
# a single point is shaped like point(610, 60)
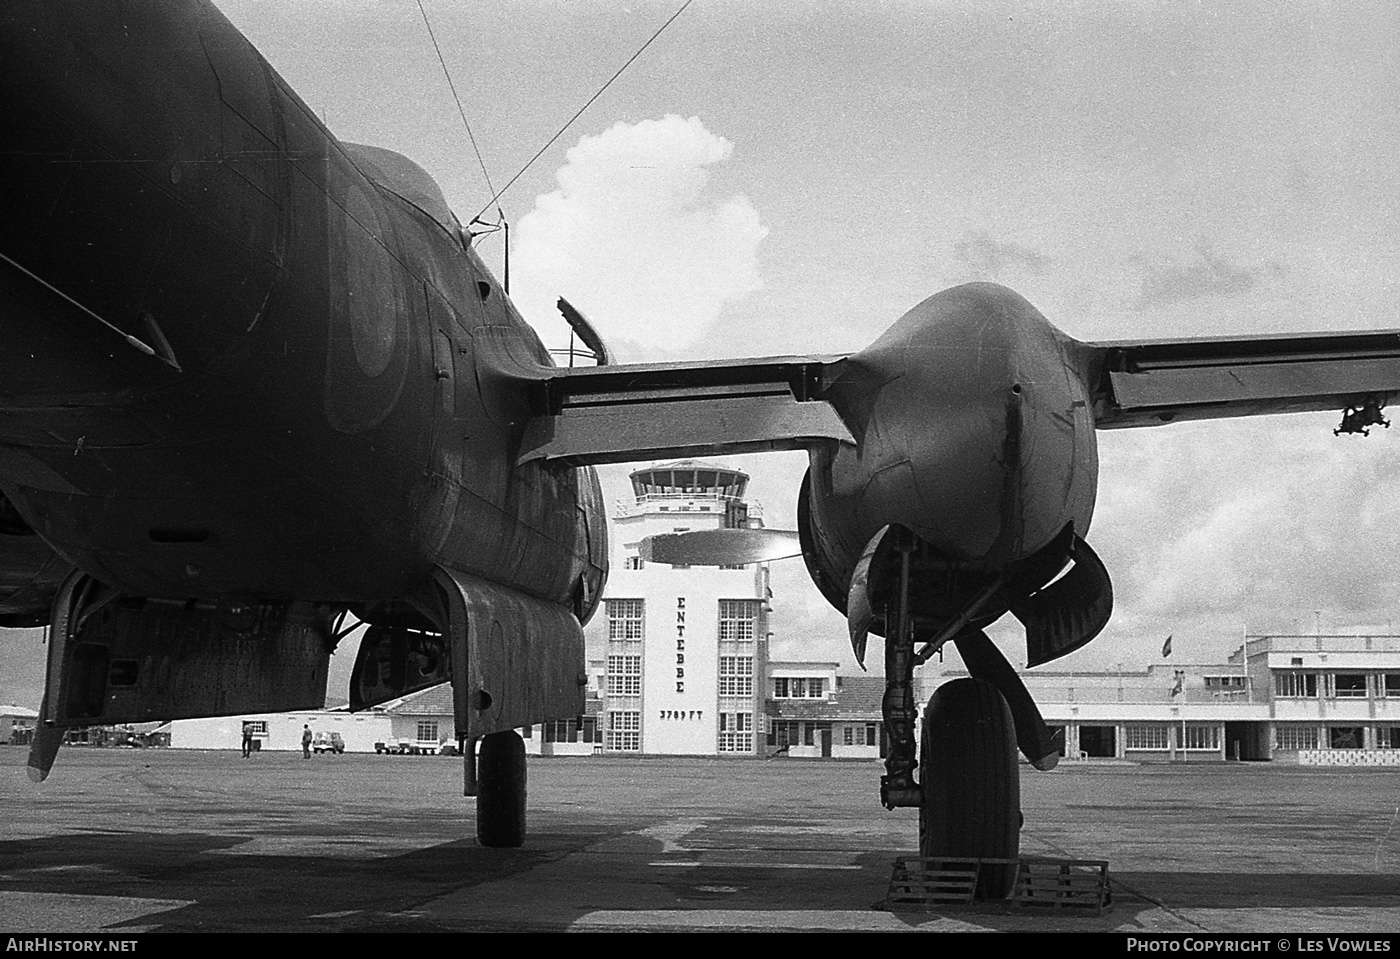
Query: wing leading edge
point(1151, 383)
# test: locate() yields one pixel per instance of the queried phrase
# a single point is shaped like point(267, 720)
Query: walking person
point(306, 742)
point(247, 739)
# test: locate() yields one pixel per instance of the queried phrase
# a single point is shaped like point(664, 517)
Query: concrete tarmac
point(187, 841)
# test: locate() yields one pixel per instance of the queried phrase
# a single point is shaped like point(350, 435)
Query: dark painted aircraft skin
point(254, 377)
point(973, 429)
point(340, 419)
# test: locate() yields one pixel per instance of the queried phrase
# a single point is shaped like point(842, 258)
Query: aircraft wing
point(622, 413)
point(1151, 383)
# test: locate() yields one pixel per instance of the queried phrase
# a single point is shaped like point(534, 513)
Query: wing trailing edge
point(618, 414)
point(1148, 384)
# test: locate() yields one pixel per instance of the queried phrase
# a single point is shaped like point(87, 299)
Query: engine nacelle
point(973, 429)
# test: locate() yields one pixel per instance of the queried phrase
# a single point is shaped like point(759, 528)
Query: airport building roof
point(436, 701)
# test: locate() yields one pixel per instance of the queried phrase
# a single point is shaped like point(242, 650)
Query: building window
point(1392, 686)
point(624, 730)
point(782, 733)
point(1224, 682)
point(1226, 687)
point(1345, 737)
point(624, 619)
point(1295, 737)
point(738, 620)
point(736, 675)
point(1147, 736)
point(634, 562)
point(795, 687)
point(624, 675)
point(1388, 737)
point(569, 731)
point(736, 732)
point(258, 727)
point(1296, 686)
point(1202, 737)
point(1350, 685)
point(427, 730)
point(858, 735)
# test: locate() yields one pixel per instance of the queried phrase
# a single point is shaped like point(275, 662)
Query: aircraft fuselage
point(351, 380)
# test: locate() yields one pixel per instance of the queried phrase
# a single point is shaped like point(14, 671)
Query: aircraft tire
point(971, 782)
point(500, 798)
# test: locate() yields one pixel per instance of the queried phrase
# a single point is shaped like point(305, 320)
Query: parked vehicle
point(405, 746)
point(327, 743)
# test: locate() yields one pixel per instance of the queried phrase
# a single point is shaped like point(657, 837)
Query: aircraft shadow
point(229, 891)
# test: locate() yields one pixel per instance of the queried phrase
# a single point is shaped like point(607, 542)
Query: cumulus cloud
point(1211, 528)
point(1203, 274)
point(633, 238)
point(982, 257)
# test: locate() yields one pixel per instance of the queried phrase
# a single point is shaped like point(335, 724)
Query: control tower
point(686, 646)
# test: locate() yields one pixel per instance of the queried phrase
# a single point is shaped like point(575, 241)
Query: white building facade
point(1331, 700)
point(685, 646)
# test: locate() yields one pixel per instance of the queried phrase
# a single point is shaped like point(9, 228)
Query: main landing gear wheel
point(971, 782)
point(500, 796)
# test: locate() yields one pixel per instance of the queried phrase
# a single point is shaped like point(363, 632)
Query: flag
point(1167, 647)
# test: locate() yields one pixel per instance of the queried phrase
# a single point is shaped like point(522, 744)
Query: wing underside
point(1148, 384)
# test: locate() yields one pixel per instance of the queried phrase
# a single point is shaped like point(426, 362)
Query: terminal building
point(808, 710)
point(1305, 699)
point(686, 647)
point(1299, 699)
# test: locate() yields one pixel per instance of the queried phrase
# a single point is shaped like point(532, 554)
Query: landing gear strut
point(897, 786)
point(968, 790)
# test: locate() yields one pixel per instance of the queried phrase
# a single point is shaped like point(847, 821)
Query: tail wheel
point(971, 782)
point(500, 798)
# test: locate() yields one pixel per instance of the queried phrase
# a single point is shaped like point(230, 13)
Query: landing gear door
point(516, 660)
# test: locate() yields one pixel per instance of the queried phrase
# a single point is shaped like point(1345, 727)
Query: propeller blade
point(721, 547)
point(859, 612)
point(43, 750)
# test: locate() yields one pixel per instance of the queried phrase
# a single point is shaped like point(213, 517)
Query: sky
point(790, 177)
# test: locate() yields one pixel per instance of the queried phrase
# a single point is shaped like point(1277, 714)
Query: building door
point(1246, 742)
point(1098, 742)
point(826, 743)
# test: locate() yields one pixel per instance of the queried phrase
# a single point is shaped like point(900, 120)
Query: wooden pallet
point(917, 883)
point(1071, 885)
point(1074, 885)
